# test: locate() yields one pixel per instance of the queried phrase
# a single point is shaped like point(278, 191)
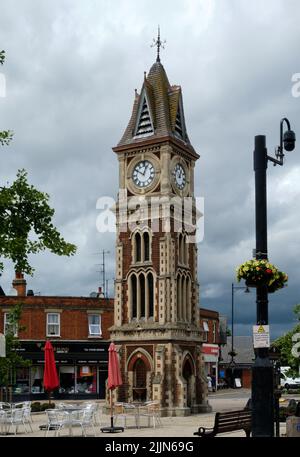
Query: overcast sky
point(71, 70)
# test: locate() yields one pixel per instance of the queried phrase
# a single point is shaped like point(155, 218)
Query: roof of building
point(208, 313)
point(160, 107)
point(243, 346)
point(47, 301)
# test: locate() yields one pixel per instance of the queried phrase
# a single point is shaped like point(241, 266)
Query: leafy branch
point(26, 225)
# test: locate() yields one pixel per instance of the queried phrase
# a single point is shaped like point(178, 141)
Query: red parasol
point(114, 380)
point(114, 372)
point(51, 381)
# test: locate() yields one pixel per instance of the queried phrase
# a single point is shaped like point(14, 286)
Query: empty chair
point(151, 410)
point(5, 406)
point(56, 420)
point(85, 420)
point(27, 419)
point(95, 409)
point(15, 418)
point(125, 411)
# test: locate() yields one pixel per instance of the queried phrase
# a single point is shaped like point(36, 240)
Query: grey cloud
point(71, 70)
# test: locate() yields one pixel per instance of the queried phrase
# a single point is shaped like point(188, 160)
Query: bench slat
point(228, 422)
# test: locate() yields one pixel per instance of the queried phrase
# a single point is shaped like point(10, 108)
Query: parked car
point(288, 382)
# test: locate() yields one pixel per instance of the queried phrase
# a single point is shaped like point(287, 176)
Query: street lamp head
point(289, 139)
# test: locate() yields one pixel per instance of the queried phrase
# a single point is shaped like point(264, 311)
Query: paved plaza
point(225, 400)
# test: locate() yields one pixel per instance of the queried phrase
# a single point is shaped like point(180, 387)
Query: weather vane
point(159, 44)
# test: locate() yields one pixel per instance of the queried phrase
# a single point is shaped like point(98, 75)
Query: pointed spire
point(159, 44)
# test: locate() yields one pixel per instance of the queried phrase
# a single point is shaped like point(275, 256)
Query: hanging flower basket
point(258, 273)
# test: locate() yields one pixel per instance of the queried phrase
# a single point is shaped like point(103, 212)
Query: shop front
point(82, 369)
point(211, 357)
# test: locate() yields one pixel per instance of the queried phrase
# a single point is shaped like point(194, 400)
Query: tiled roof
point(164, 103)
point(243, 346)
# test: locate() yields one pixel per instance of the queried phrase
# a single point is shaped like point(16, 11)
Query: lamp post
point(232, 352)
point(262, 371)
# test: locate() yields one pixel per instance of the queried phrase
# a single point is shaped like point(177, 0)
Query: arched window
point(186, 251)
point(150, 295)
point(133, 297)
point(188, 300)
point(180, 248)
point(146, 246)
point(138, 249)
point(184, 303)
point(178, 298)
point(142, 292)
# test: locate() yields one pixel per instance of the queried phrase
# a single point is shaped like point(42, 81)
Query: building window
point(133, 297)
point(151, 295)
point(142, 292)
point(146, 247)
point(206, 330)
point(141, 247)
point(94, 325)
point(138, 253)
point(9, 327)
point(141, 296)
point(53, 324)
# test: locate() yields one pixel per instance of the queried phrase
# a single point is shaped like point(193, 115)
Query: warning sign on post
point(261, 336)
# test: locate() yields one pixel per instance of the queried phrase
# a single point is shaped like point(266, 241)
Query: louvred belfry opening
point(178, 124)
point(144, 126)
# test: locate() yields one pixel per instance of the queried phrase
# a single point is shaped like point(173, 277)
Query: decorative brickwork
point(160, 350)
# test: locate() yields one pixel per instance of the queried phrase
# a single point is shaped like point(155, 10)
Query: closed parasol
point(114, 380)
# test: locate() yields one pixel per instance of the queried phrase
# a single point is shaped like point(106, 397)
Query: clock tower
point(156, 322)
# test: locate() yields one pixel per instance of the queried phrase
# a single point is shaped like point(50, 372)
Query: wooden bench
point(228, 422)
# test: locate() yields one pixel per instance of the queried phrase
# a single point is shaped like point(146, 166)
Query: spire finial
point(159, 44)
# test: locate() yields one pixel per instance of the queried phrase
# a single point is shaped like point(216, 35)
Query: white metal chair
point(126, 411)
point(85, 420)
point(15, 418)
point(5, 406)
point(96, 411)
point(57, 419)
point(151, 410)
point(27, 419)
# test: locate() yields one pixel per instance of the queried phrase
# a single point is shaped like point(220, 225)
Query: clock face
point(143, 173)
point(179, 176)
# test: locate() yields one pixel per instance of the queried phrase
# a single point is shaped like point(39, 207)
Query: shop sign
point(210, 349)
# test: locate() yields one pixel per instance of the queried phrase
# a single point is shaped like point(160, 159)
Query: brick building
point(209, 322)
point(156, 322)
point(78, 330)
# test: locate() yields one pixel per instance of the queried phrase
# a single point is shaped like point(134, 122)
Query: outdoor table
point(137, 406)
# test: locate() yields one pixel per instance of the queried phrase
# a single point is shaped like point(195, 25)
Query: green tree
point(285, 345)
point(6, 135)
point(26, 225)
point(10, 363)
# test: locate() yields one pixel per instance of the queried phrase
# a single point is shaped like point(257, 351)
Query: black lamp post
point(262, 371)
point(232, 353)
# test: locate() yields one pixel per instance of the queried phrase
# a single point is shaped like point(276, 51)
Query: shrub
point(45, 406)
point(35, 406)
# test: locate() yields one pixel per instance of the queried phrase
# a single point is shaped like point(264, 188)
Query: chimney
point(19, 283)
point(100, 293)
